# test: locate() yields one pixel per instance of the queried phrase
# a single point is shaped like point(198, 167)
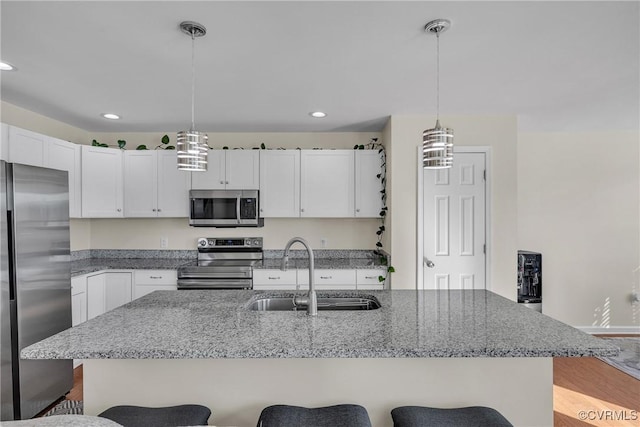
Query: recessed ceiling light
point(318, 114)
point(5, 66)
point(111, 116)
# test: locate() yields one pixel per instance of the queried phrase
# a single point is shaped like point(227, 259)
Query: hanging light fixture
point(191, 145)
point(437, 143)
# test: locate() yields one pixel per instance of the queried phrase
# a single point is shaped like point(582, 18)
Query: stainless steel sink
point(335, 303)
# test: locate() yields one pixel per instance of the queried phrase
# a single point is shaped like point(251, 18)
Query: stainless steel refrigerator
point(35, 285)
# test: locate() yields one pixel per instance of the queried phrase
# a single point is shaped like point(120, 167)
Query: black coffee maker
point(530, 279)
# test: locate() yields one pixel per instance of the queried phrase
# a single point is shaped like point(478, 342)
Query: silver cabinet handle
point(429, 263)
point(301, 210)
point(325, 277)
point(159, 210)
point(226, 182)
point(221, 182)
point(370, 277)
point(155, 277)
point(274, 278)
point(119, 210)
point(357, 210)
point(153, 210)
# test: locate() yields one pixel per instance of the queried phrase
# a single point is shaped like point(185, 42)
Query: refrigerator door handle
point(10, 256)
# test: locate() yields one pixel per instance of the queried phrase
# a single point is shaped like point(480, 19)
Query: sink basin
point(336, 303)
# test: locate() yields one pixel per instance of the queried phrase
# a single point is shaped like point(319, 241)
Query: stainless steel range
point(223, 263)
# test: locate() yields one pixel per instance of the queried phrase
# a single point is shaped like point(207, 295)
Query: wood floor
point(579, 384)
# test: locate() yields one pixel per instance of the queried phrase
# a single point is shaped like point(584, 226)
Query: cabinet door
point(26, 147)
point(78, 300)
point(279, 183)
point(140, 183)
point(102, 182)
point(4, 142)
point(242, 169)
point(118, 290)
point(95, 295)
point(214, 178)
point(65, 156)
point(367, 184)
point(173, 186)
point(326, 183)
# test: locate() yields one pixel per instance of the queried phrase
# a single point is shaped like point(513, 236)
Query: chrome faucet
point(311, 301)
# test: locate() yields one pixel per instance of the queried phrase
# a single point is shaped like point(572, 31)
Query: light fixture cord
point(193, 78)
point(437, 77)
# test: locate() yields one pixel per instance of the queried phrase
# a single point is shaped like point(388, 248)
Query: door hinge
point(484, 174)
point(484, 248)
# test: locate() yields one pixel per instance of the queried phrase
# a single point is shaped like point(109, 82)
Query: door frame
point(486, 150)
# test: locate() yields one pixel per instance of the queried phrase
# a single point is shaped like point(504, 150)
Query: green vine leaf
point(225, 148)
point(381, 278)
point(165, 139)
point(262, 146)
point(121, 143)
point(390, 269)
point(141, 147)
point(355, 147)
point(378, 244)
point(169, 147)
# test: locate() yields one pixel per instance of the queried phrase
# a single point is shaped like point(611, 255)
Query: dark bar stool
point(472, 416)
point(171, 416)
point(328, 416)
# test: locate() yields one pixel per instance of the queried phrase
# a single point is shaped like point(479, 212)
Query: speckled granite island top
point(218, 324)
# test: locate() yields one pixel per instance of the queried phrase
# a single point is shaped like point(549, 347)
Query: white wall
point(26, 119)
point(497, 132)
point(578, 204)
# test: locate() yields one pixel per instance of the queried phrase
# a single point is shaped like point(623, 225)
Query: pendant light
point(437, 143)
point(191, 145)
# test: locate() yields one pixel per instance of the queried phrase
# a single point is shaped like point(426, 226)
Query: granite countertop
point(105, 259)
point(217, 324)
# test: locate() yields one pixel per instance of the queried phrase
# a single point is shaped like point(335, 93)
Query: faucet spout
point(310, 300)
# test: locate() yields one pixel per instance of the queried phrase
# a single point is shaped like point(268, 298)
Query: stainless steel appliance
point(35, 285)
point(223, 263)
point(224, 208)
point(530, 279)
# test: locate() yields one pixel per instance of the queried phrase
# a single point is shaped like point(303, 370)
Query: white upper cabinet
point(26, 147)
point(102, 188)
point(153, 185)
point(279, 183)
point(327, 183)
point(64, 155)
point(140, 183)
point(368, 185)
point(4, 142)
point(229, 169)
point(173, 186)
point(242, 169)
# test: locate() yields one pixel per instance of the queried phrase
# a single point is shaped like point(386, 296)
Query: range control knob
point(212, 242)
point(256, 242)
point(202, 242)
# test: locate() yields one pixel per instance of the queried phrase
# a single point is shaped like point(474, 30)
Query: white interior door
point(454, 224)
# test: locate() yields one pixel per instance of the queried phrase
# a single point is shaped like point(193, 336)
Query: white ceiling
point(264, 65)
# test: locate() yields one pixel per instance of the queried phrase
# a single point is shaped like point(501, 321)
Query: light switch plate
point(164, 242)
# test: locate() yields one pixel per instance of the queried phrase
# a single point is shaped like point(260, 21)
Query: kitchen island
point(437, 348)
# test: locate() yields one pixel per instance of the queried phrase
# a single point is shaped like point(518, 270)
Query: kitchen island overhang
point(439, 348)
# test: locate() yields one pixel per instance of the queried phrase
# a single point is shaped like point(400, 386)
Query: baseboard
point(610, 330)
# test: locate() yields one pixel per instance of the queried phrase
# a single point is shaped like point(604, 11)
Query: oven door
point(216, 284)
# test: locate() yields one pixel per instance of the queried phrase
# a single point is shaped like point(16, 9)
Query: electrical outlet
point(323, 242)
point(164, 242)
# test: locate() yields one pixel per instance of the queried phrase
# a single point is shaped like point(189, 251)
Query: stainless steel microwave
point(224, 208)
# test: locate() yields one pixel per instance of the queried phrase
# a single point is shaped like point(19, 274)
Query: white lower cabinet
point(370, 279)
point(78, 300)
point(106, 291)
point(147, 281)
point(328, 279)
point(275, 280)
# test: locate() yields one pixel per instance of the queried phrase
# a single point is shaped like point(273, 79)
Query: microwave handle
point(238, 209)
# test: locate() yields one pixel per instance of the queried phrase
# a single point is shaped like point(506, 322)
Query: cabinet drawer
point(274, 277)
point(369, 277)
point(155, 277)
point(78, 285)
point(345, 279)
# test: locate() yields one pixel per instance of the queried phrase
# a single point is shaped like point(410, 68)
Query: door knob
point(429, 263)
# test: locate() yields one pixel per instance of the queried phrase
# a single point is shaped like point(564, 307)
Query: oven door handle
point(238, 209)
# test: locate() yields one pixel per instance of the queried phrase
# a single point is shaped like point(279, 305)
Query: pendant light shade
point(437, 143)
point(192, 146)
